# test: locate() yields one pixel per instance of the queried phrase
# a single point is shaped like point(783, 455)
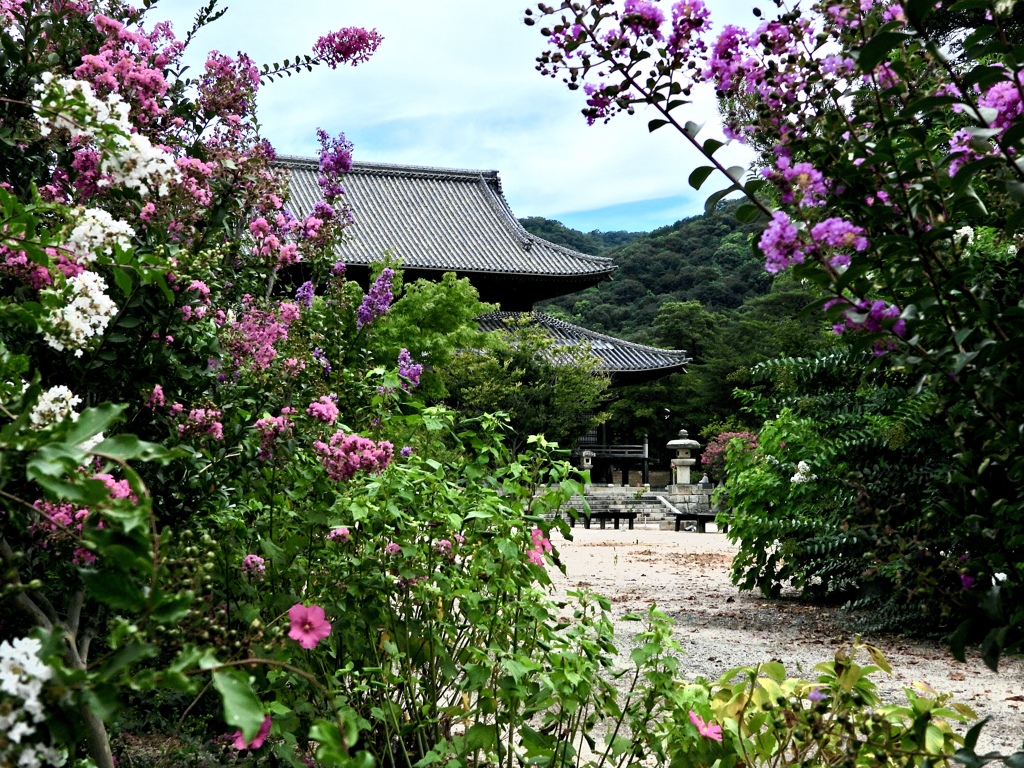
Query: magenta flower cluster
point(541, 545)
point(351, 45)
point(271, 429)
point(254, 566)
point(377, 302)
point(238, 739)
point(340, 535)
point(347, 454)
point(202, 422)
point(324, 409)
point(252, 339)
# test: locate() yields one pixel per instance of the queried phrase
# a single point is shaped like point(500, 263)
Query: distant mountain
point(704, 258)
point(595, 243)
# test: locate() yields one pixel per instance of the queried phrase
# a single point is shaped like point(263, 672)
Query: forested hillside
point(695, 285)
point(595, 243)
point(703, 258)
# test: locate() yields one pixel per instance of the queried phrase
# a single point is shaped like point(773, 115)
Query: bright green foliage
point(836, 718)
point(543, 387)
point(433, 320)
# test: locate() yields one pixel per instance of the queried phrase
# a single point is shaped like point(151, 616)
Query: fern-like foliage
point(833, 501)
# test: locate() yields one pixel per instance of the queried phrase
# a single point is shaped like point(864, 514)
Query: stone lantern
point(684, 448)
point(587, 459)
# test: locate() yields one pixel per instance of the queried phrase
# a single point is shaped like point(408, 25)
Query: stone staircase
point(649, 510)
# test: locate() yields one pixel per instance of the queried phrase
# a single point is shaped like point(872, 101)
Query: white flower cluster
point(803, 474)
point(98, 232)
point(55, 404)
point(86, 314)
point(22, 674)
point(127, 157)
point(964, 236)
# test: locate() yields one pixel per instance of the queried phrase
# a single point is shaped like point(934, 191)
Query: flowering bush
point(712, 459)
point(877, 154)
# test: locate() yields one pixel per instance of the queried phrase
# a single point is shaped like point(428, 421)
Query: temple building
point(438, 220)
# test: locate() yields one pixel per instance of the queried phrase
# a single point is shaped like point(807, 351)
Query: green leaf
point(699, 175)
point(1016, 760)
point(113, 589)
point(747, 212)
point(971, 739)
point(878, 48)
point(691, 128)
point(92, 421)
point(130, 448)
point(655, 125)
point(241, 707)
point(711, 202)
point(123, 280)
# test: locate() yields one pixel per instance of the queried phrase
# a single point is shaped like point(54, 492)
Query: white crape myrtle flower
point(803, 473)
point(964, 235)
point(127, 158)
point(55, 404)
point(85, 316)
point(98, 232)
point(22, 674)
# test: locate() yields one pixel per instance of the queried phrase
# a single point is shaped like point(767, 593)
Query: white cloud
point(454, 85)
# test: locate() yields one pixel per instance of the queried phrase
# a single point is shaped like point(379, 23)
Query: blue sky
point(453, 85)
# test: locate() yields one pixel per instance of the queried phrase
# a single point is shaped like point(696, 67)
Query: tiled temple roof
point(439, 219)
point(626, 362)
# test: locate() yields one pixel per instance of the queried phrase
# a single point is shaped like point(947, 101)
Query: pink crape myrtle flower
point(309, 625)
point(257, 740)
point(708, 729)
point(324, 409)
point(340, 535)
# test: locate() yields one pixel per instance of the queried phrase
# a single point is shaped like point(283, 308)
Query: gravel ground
point(686, 575)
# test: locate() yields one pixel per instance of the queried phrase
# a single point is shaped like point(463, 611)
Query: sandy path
point(686, 574)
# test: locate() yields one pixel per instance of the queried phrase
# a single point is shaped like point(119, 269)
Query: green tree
point(544, 388)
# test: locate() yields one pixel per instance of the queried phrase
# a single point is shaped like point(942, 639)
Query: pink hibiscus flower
point(309, 625)
point(257, 740)
point(706, 729)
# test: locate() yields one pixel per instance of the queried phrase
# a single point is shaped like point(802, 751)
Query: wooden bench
point(702, 519)
point(601, 517)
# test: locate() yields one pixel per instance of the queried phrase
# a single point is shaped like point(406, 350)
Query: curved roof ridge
point(528, 238)
point(440, 219)
point(395, 169)
point(602, 336)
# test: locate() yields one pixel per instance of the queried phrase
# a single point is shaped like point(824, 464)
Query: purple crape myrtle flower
point(689, 17)
point(351, 45)
point(781, 244)
point(378, 300)
point(324, 211)
point(839, 233)
point(319, 356)
point(338, 270)
point(335, 161)
point(406, 451)
point(408, 370)
point(642, 17)
point(304, 294)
